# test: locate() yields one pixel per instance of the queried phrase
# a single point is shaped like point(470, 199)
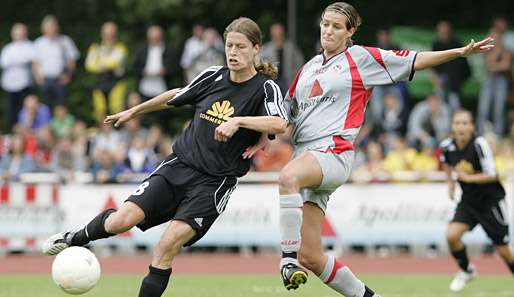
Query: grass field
point(260, 286)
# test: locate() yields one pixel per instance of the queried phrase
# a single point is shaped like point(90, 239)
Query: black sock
point(462, 259)
point(155, 282)
point(94, 230)
point(511, 266)
point(368, 292)
point(293, 255)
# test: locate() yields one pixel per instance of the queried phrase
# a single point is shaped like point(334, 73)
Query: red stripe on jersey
point(292, 88)
point(4, 194)
point(359, 97)
point(337, 265)
point(30, 193)
point(375, 52)
point(342, 145)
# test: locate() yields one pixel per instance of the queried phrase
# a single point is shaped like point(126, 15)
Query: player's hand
point(252, 150)
point(119, 118)
point(226, 130)
point(473, 47)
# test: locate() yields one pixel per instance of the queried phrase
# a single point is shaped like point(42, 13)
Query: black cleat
point(293, 276)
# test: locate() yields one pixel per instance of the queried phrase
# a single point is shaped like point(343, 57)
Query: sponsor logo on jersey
point(219, 113)
point(199, 221)
point(465, 167)
point(402, 53)
point(316, 90)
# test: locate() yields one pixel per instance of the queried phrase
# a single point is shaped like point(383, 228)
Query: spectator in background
point(507, 37)
point(274, 157)
point(16, 61)
point(81, 146)
point(107, 140)
point(429, 122)
point(133, 127)
point(64, 161)
point(105, 169)
point(139, 160)
point(34, 115)
point(62, 122)
point(399, 89)
point(45, 146)
point(449, 77)
point(211, 55)
point(392, 121)
point(283, 53)
point(193, 48)
point(155, 64)
point(16, 162)
point(107, 62)
point(495, 89)
point(55, 61)
point(372, 170)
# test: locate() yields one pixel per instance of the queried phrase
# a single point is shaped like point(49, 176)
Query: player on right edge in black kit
point(470, 159)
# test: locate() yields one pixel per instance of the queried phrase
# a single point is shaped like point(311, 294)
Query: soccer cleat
point(462, 278)
point(293, 276)
point(57, 243)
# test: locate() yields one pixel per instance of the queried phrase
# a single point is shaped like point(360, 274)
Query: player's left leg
point(303, 171)
point(331, 271)
point(176, 235)
point(507, 255)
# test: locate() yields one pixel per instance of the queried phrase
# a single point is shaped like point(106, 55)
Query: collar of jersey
point(325, 60)
point(243, 82)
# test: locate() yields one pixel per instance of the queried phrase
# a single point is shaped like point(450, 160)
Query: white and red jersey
point(328, 98)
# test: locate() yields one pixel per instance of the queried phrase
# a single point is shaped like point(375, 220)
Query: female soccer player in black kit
point(234, 107)
point(469, 158)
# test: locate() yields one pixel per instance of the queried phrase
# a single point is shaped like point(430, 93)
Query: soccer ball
point(76, 270)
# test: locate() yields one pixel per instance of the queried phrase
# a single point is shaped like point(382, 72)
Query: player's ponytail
point(251, 30)
point(267, 68)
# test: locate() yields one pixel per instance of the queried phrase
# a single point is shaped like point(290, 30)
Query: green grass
point(260, 286)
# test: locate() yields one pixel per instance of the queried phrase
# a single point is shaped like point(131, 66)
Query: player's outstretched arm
point(156, 103)
point(263, 124)
point(430, 59)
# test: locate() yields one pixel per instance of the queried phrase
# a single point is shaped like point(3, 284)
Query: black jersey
point(216, 99)
point(476, 157)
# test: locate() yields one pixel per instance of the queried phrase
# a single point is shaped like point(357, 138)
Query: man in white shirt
point(15, 60)
point(56, 57)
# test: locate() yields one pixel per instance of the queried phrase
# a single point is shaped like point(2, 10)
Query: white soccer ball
point(76, 270)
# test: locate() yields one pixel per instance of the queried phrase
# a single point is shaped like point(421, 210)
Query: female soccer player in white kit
point(326, 102)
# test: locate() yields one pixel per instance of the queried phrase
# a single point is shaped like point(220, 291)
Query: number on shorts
point(141, 189)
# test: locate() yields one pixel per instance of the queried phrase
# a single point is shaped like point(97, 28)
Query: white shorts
point(336, 169)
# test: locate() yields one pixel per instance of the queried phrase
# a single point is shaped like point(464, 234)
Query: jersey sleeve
point(273, 101)
point(190, 93)
point(485, 156)
point(444, 146)
point(383, 67)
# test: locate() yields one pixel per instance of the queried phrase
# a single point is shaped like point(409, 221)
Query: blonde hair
point(353, 19)
point(251, 30)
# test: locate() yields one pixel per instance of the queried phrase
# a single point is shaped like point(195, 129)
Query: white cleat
point(462, 278)
point(55, 244)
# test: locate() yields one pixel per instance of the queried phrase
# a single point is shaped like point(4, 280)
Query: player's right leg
point(144, 207)
point(458, 250)
point(293, 177)
point(106, 224)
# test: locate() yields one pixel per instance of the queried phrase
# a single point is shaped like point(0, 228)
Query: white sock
point(340, 278)
point(290, 225)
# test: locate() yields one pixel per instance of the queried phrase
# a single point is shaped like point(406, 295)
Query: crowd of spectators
point(398, 137)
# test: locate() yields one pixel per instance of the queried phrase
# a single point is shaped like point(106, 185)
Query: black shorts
point(492, 218)
point(175, 191)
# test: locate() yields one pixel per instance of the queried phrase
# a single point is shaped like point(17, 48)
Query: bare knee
point(454, 240)
point(506, 253)
point(311, 261)
point(288, 182)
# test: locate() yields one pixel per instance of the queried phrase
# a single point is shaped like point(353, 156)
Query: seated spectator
point(165, 148)
point(139, 159)
point(105, 169)
point(81, 146)
point(392, 122)
point(425, 160)
point(429, 122)
point(154, 138)
point(372, 170)
point(16, 162)
point(274, 157)
point(34, 114)
point(106, 139)
point(400, 157)
point(106, 60)
point(45, 146)
point(505, 158)
point(62, 122)
point(64, 162)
